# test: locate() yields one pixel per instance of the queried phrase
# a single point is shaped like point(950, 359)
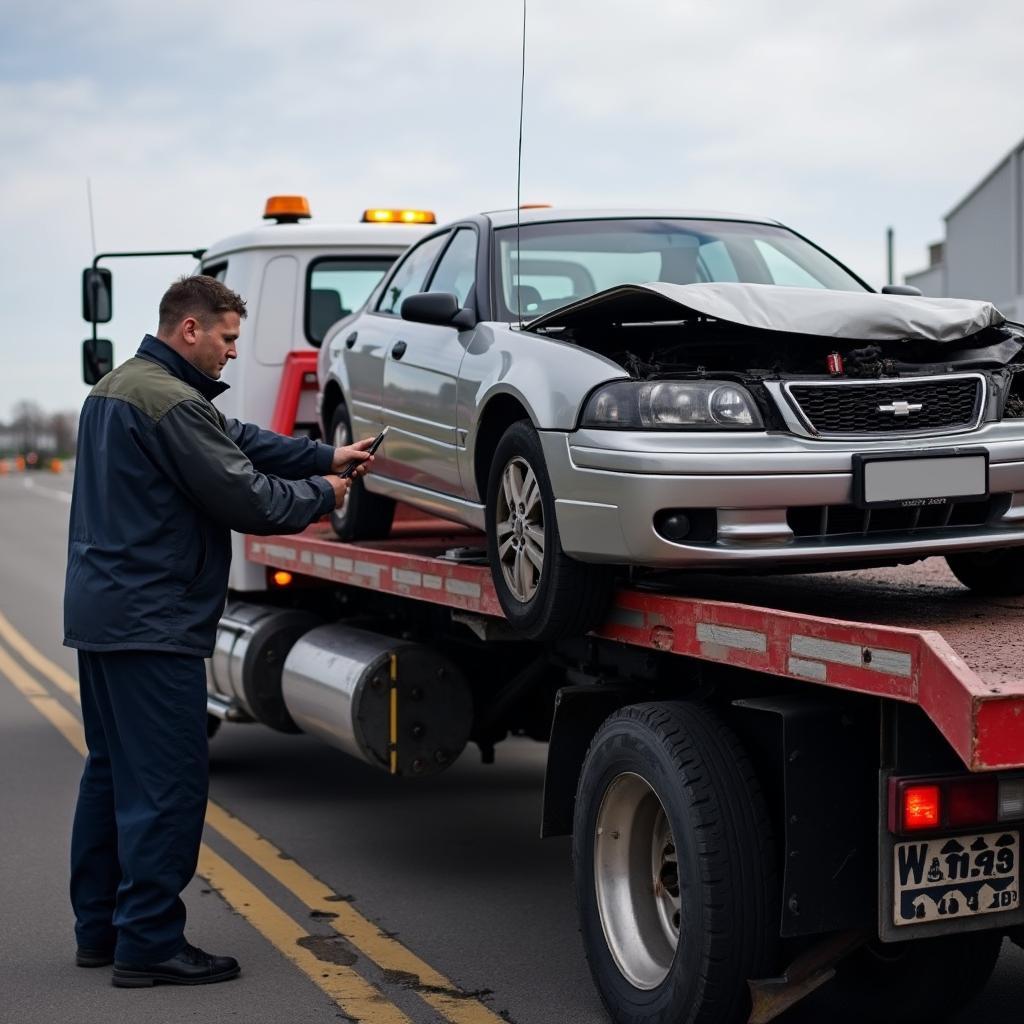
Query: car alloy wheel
point(342, 436)
point(520, 529)
point(362, 515)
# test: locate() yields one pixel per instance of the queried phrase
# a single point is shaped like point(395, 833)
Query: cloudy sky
point(836, 118)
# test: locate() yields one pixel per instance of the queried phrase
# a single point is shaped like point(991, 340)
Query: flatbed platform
point(910, 633)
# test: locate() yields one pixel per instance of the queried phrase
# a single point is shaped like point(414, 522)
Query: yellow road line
point(349, 990)
point(433, 987)
point(355, 996)
point(388, 953)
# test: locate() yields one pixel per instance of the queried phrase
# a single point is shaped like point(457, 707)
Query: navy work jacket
point(161, 479)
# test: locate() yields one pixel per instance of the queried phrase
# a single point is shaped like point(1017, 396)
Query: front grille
point(849, 521)
point(947, 403)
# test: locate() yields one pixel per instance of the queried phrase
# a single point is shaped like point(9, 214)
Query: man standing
point(161, 480)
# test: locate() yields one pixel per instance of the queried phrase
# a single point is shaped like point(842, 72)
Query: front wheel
point(544, 593)
point(361, 515)
point(674, 868)
point(998, 573)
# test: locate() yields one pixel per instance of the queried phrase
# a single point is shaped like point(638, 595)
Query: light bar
point(383, 216)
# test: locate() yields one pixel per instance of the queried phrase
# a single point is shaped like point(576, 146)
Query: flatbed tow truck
point(770, 782)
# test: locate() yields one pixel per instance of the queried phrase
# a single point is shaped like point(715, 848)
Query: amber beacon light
point(287, 209)
point(382, 216)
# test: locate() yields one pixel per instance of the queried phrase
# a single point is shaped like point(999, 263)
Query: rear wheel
point(674, 868)
point(916, 982)
point(362, 515)
point(544, 593)
point(999, 573)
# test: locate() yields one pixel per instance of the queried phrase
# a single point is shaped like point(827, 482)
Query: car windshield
point(561, 262)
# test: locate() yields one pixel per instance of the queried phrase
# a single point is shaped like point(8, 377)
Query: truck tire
point(362, 516)
point(544, 593)
point(917, 982)
point(997, 573)
point(675, 868)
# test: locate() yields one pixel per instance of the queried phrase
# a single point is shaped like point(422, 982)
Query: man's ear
point(189, 329)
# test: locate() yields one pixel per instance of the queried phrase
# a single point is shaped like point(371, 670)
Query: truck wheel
point(362, 516)
point(674, 866)
point(917, 982)
point(544, 593)
point(997, 573)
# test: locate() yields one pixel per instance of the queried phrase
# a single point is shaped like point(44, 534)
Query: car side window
point(456, 273)
point(409, 277)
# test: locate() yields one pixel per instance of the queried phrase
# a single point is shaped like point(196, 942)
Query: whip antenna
point(519, 173)
point(92, 222)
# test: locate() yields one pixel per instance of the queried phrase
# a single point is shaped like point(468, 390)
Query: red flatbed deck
point(911, 633)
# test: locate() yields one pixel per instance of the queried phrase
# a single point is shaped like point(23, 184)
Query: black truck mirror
point(97, 359)
point(97, 295)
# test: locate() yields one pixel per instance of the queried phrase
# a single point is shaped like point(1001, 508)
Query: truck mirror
point(900, 289)
point(97, 295)
point(97, 359)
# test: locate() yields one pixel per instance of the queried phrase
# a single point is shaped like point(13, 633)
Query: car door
point(366, 344)
point(420, 377)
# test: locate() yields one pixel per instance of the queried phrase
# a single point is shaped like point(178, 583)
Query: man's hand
point(340, 486)
point(343, 457)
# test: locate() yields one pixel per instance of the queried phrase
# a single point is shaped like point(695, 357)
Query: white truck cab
point(298, 278)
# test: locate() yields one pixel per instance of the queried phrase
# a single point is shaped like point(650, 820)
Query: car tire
point(559, 596)
point(917, 982)
point(674, 868)
point(998, 573)
point(362, 516)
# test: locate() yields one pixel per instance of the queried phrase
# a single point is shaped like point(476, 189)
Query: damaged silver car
point(753, 406)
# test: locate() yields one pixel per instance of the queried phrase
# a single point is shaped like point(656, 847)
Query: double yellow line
point(353, 994)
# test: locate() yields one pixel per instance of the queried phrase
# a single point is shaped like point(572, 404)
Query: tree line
point(32, 429)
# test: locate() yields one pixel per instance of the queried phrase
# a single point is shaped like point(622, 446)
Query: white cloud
point(838, 120)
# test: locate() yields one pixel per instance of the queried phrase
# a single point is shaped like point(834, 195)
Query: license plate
point(908, 482)
point(939, 879)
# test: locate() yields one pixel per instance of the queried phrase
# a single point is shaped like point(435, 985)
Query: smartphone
point(377, 441)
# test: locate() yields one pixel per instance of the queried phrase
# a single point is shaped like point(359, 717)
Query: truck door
point(420, 375)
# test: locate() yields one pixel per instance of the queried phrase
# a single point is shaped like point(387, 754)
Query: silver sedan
point(753, 406)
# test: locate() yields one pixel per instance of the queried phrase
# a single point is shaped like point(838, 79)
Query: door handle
point(398, 349)
point(351, 339)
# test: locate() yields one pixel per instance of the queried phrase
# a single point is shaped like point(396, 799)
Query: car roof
point(507, 218)
point(388, 238)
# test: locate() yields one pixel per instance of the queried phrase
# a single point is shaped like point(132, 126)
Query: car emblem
point(901, 409)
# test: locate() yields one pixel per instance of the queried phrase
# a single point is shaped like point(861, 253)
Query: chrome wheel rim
point(636, 878)
point(339, 440)
point(520, 529)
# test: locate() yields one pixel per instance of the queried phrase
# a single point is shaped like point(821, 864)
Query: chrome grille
point(849, 521)
point(921, 405)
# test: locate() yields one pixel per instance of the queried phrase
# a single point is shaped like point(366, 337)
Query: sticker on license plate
point(938, 879)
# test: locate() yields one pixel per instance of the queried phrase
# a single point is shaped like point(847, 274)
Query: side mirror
point(900, 289)
point(97, 295)
point(97, 359)
point(441, 308)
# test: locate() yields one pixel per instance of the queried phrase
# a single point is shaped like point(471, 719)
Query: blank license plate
point(931, 481)
point(939, 879)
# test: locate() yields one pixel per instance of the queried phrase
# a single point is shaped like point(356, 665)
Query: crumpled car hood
point(862, 316)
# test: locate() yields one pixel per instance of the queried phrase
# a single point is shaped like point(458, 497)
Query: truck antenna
point(519, 173)
point(92, 221)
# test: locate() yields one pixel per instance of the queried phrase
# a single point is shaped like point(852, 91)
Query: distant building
point(982, 256)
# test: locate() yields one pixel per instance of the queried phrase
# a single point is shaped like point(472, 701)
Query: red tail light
point(921, 808)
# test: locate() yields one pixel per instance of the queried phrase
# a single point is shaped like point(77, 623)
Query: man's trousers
point(141, 803)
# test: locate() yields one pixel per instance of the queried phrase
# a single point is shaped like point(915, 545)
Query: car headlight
point(672, 405)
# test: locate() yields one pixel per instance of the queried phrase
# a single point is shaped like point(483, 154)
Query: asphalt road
point(452, 908)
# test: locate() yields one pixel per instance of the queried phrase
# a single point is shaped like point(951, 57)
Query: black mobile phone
point(350, 468)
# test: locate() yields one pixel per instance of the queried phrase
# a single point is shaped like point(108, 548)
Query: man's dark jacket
point(161, 479)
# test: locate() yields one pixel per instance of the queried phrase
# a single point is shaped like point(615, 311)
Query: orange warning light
point(282, 578)
point(381, 216)
point(287, 209)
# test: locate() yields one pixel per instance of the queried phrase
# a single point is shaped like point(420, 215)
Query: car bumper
point(610, 485)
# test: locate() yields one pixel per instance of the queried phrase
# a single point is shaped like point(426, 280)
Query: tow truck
point(771, 783)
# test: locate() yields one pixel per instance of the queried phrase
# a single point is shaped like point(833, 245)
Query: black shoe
point(189, 967)
point(93, 957)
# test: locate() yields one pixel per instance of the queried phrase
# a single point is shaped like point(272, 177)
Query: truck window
point(336, 287)
point(218, 271)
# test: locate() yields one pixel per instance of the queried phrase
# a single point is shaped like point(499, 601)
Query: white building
point(982, 256)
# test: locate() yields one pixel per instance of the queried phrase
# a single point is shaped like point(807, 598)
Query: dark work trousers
point(141, 803)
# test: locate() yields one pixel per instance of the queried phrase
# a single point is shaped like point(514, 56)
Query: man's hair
point(204, 298)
